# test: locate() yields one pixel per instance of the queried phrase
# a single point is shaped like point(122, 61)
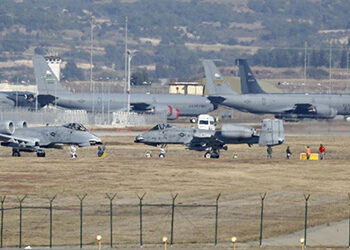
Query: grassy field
point(126, 171)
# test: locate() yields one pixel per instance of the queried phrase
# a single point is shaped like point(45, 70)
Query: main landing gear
point(162, 151)
point(16, 152)
point(215, 154)
point(40, 153)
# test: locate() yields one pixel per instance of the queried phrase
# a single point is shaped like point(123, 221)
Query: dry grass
point(196, 179)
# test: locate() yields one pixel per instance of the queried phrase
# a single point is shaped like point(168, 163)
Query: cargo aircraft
point(174, 105)
point(284, 106)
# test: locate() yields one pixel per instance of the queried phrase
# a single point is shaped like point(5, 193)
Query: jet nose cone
point(95, 140)
point(139, 138)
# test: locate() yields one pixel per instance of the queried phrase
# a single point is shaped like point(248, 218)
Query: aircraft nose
point(95, 140)
point(139, 138)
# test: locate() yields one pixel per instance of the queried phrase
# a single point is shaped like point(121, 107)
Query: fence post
point(81, 199)
point(307, 197)
point(172, 218)
point(2, 200)
point(111, 198)
point(50, 208)
point(140, 206)
point(216, 218)
point(262, 196)
point(20, 200)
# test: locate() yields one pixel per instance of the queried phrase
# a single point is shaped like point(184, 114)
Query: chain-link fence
point(76, 220)
point(58, 117)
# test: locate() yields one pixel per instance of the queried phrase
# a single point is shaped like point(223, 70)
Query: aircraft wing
point(14, 141)
point(297, 108)
point(202, 143)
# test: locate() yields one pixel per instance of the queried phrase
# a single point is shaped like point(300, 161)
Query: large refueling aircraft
point(174, 105)
point(210, 140)
point(284, 106)
point(24, 139)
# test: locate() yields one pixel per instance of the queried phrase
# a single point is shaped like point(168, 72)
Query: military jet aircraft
point(174, 105)
point(211, 141)
point(24, 139)
point(284, 106)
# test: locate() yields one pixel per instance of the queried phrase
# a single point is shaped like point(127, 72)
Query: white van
point(206, 122)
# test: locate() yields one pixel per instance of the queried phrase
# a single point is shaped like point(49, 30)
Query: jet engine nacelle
point(324, 111)
point(7, 127)
point(21, 124)
point(237, 131)
point(172, 113)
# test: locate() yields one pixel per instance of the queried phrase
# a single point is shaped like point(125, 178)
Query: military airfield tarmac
point(196, 180)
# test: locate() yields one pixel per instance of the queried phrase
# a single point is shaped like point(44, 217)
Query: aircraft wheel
point(207, 155)
point(16, 153)
point(161, 155)
point(215, 156)
point(193, 120)
point(40, 154)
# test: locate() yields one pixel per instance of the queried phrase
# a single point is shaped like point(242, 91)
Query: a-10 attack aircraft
point(212, 141)
point(293, 107)
point(24, 139)
point(174, 105)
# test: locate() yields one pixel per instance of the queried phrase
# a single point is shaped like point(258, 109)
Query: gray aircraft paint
point(272, 133)
point(50, 88)
point(316, 106)
point(11, 99)
point(36, 138)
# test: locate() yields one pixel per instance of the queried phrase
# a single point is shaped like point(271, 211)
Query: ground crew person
point(269, 152)
point(308, 152)
point(101, 151)
point(288, 153)
point(322, 151)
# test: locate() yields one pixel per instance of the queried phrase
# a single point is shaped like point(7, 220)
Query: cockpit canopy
point(75, 126)
point(162, 126)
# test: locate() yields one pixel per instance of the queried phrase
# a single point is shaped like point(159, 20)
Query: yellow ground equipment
point(313, 157)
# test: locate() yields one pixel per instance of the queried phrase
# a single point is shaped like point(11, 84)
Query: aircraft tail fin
point(215, 82)
point(46, 80)
point(249, 85)
point(272, 132)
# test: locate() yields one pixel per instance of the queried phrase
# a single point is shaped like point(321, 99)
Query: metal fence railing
point(75, 220)
point(58, 117)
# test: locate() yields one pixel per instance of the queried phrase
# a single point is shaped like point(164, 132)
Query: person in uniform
point(288, 153)
point(322, 151)
point(308, 152)
point(269, 152)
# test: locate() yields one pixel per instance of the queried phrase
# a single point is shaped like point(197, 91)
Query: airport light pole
point(126, 54)
point(347, 68)
point(92, 87)
point(330, 68)
point(128, 85)
point(305, 63)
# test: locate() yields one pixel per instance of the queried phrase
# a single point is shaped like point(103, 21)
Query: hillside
point(168, 38)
